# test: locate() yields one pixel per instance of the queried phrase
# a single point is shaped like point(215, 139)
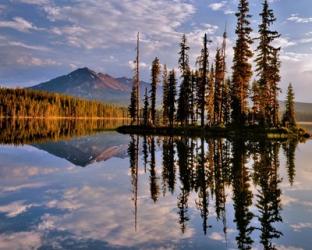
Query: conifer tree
point(219, 78)
point(183, 111)
point(165, 95)
point(226, 102)
point(171, 97)
point(241, 66)
point(145, 109)
point(268, 67)
point(289, 115)
point(155, 80)
point(202, 82)
point(255, 100)
point(132, 109)
point(210, 98)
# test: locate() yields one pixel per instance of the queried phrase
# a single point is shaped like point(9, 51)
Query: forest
point(208, 96)
point(21, 103)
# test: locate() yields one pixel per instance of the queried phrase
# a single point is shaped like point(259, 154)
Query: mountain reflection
point(210, 169)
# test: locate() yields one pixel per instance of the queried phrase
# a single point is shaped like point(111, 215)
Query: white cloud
point(98, 24)
point(221, 6)
point(20, 24)
point(35, 61)
point(217, 6)
point(303, 225)
point(28, 46)
point(15, 208)
point(297, 19)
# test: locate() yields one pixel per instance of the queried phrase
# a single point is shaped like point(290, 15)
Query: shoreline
point(245, 132)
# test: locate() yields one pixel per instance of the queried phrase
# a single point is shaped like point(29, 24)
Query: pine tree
point(203, 80)
point(268, 67)
point(132, 109)
point(256, 101)
point(146, 109)
point(165, 95)
point(155, 80)
point(289, 115)
point(226, 102)
point(242, 71)
point(171, 97)
point(210, 98)
point(184, 94)
point(219, 78)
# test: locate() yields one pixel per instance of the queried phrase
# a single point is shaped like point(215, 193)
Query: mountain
point(86, 83)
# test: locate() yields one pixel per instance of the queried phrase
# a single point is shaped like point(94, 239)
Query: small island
point(209, 101)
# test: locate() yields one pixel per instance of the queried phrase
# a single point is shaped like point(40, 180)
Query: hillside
point(303, 111)
point(86, 83)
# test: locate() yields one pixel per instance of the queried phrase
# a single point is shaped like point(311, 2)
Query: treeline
point(206, 172)
point(33, 103)
point(208, 95)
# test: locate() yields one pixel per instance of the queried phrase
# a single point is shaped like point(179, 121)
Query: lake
point(80, 185)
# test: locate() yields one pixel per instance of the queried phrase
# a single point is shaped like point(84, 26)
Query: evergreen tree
point(241, 65)
point(256, 101)
point(226, 102)
point(171, 97)
point(268, 67)
point(219, 78)
point(146, 109)
point(155, 80)
point(165, 95)
point(289, 115)
point(210, 98)
point(183, 111)
point(204, 64)
point(132, 109)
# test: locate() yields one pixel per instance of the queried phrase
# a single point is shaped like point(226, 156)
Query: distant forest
point(33, 103)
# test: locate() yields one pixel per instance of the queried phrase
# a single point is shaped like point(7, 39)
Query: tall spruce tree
point(289, 115)
point(132, 109)
point(242, 68)
point(210, 98)
point(219, 78)
point(255, 97)
point(146, 109)
point(268, 68)
point(226, 102)
point(183, 111)
point(165, 95)
point(155, 80)
point(172, 92)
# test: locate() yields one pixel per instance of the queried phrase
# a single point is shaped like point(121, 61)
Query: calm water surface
point(83, 189)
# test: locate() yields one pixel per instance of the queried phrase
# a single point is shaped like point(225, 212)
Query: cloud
point(98, 24)
point(35, 61)
point(20, 24)
point(221, 6)
point(28, 46)
point(20, 240)
point(297, 19)
point(303, 225)
point(15, 208)
point(34, 2)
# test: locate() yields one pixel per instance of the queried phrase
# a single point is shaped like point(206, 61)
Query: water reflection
point(206, 168)
point(25, 131)
point(179, 193)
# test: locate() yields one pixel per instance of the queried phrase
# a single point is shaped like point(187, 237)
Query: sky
point(43, 39)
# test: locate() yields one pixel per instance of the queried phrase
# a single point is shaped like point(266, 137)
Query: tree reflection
point(28, 131)
point(207, 169)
